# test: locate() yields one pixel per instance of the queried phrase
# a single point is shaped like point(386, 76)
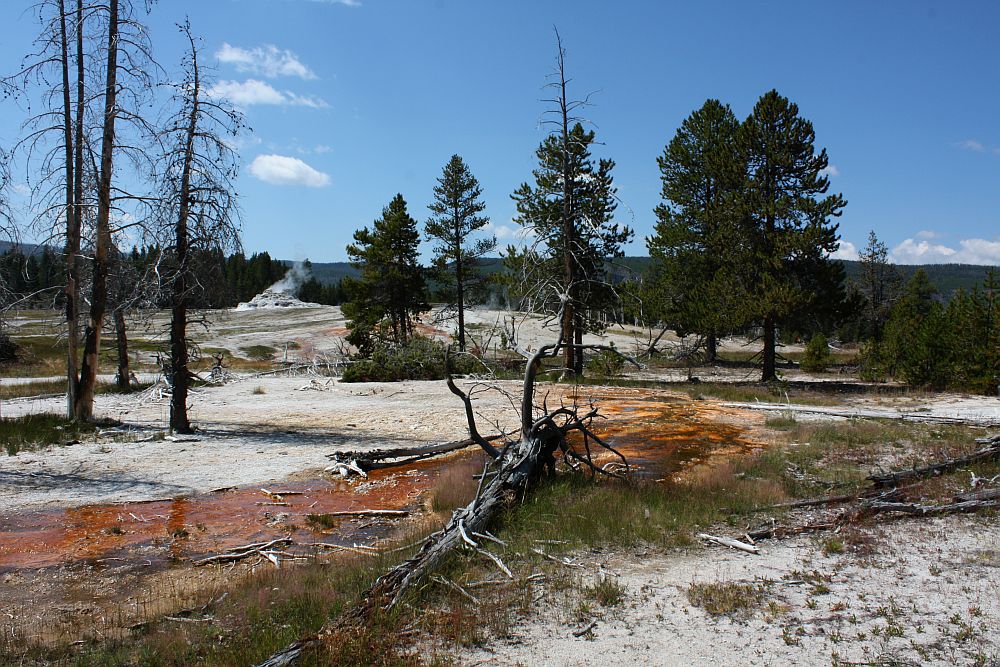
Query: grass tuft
point(727, 598)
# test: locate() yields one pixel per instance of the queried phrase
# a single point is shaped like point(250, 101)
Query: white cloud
point(349, 3)
point(285, 170)
point(267, 60)
point(928, 234)
point(21, 189)
point(846, 250)
point(510, 234)
point(321, 148)
point(972, 145)
point(255, 91)
point(830, 170)
point(969, 251)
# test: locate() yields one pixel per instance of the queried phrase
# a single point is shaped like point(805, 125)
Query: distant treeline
point(38, 276)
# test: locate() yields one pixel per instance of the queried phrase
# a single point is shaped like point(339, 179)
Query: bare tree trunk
point(578, 339)
point(768, 354)
point(84, 408)
point(121, 341)
point(460, 287)
point(711, 347)
point(72, 230)
point(178, 321)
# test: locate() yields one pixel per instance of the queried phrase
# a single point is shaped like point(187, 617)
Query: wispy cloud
point(286, 170)
point(928, 234)
point(978, 147)
point(969, 251)
point(255, 91)
point(348, 3)
point(830, 170)
point(267, 60)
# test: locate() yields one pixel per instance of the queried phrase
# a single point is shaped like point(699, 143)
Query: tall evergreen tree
point(457, 210)
point(391, 289)
point(787, 235)
point(565, 267)
point(879, 283)
point(917, 343)
point(700, 171)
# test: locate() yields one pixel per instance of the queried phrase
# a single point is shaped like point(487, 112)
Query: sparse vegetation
point(41, 430)
point(729, 598)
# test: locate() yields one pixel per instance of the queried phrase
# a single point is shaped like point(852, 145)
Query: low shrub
point(421, 358)
point(817, 357)
point(606, 363)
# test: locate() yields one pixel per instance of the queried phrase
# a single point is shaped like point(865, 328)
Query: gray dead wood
point(917, 509)
point(378, 459)
point(991, 451)
point(985, 494)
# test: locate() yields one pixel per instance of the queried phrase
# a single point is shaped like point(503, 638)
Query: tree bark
point(121, 341)
point(711, 348)
point(460, 288)
point(84, 406)
point(769, 372)
point(72, 236)
point(179, 422)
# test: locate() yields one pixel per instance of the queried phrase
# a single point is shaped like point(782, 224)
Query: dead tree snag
point(511, 471)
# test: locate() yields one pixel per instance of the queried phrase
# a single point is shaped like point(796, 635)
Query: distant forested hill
point(946, 277)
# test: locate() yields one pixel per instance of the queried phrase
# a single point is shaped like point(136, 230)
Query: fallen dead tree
point(989, 452)
point(511, 470)
point(363, 462)
point(886, 496)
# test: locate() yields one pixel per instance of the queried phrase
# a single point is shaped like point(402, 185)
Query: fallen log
point(239, 553)
point(933, 470)
point(378, 459)
point(775, 531)
point(917, 509)
point(517, 466)
point(731, 543)
point(363, 513)
point(985, 494)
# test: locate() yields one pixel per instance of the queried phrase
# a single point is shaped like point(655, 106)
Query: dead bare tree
point(68, 190)
point(199, 207)
point(57, 193)
point(568, 219)
point(513, 468)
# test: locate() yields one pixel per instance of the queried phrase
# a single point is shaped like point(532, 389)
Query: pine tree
point(456, 216)
point(879, 283)
point(391, 288)
point(565, 267)
point(917, 344)
point(782, 252)
point(700, 173)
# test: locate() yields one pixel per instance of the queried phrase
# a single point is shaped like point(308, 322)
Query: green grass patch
point(40, 430)
point(259, 352)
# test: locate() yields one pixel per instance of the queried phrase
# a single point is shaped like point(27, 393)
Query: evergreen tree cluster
point(745, 232)
point(928, 343)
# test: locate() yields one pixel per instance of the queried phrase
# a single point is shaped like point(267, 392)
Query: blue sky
point(353, 101)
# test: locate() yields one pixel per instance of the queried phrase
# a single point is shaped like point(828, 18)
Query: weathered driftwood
point(731, 543)
point(247, 550)
point(516, 467)
point(858, 413)
point(991, 451)
point(378, 459)
point(917, 509)
point(776, 531)
point(985, 494)
point(346, 513)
